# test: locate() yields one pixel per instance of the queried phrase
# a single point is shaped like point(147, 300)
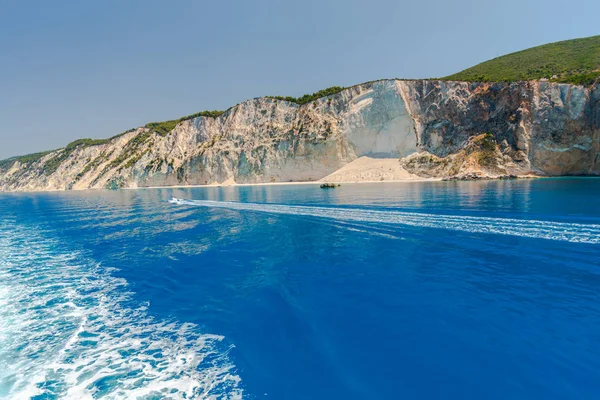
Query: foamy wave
point(570, 232)
point(66, 331)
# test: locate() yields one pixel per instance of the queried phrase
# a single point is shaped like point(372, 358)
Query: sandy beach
point(362, 170)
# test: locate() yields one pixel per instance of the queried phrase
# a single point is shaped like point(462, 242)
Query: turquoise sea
point(431, 290)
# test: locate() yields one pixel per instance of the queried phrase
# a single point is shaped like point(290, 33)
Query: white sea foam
point(68, 331)
point(570, 232)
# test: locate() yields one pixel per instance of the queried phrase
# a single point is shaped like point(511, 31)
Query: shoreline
point(409, 180)
point(283, 183)
point(342, 183)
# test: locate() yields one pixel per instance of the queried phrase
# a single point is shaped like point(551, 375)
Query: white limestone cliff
point(536, 127)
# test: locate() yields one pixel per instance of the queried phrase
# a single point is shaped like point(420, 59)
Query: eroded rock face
point(565, 129)
point(538, 127)
point(480, 157)
point(447, 114)
point(542, 128)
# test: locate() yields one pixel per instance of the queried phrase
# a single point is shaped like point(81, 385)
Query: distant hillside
point(574, 61)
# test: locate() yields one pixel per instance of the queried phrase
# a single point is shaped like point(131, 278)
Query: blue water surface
point(432, 290)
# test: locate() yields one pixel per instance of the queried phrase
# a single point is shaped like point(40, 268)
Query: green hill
point(574, 61)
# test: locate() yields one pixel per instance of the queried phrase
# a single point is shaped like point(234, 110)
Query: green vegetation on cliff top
point(307, 98)
point(162, 128)
point(26, 159)
point(574, 61)
point(52, 164)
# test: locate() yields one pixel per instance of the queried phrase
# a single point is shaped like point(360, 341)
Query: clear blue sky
point(75, 69)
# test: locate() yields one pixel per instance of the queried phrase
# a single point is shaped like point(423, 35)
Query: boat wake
point(70, 330)
point(569, 232)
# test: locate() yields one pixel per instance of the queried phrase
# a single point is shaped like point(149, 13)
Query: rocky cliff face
point(435, 128)
point(539, 127)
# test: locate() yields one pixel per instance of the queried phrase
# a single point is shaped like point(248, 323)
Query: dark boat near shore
point(329, 185)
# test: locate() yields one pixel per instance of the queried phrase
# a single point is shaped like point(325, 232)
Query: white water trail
point(561, 231)
point(69, 330)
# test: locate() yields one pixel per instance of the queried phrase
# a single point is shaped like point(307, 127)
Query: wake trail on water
point(69, 329)
point(561, 231)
